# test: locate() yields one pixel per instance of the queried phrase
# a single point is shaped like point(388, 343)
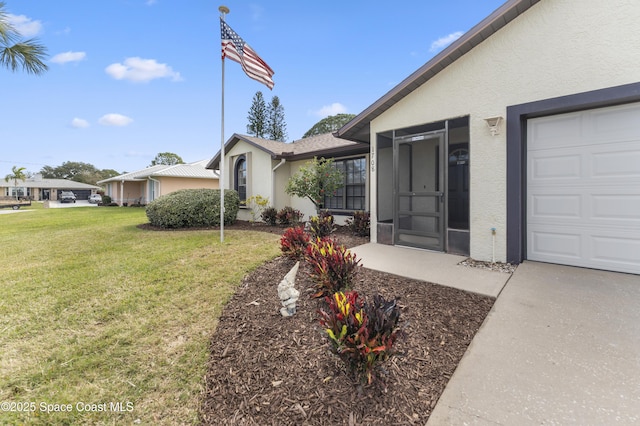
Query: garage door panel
point(612, 124)
point(551, 246)
point(621, 250)
point(583, 188)
point(555, 206)
point(555, 167)
point(617, 161)
point(550, 132)
point(616, 208)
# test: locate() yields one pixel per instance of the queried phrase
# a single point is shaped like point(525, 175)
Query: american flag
point(235, 48)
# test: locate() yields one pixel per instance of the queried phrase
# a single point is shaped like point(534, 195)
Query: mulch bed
point(265, 369)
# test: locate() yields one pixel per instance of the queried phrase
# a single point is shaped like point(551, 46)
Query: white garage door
point(583, 188)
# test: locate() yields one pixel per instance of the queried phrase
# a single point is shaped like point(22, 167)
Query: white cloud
point(443, 42)
point(150, 2)
point(333, 109)
point(256, 12)
point(117, 120)
point(25, 26)
point(63, 58)
point(141, 70)
point(79, 123)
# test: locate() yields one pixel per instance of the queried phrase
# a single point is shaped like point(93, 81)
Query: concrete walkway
point(561, 346)
point(434, 267)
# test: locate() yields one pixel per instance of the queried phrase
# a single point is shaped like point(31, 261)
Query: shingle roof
point(320, 145)
point(195, 170)
point(358, 128)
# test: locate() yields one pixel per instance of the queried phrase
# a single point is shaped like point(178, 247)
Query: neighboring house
point(144, 186)
point(38, 188)
point(255, 166)
point(521, 140)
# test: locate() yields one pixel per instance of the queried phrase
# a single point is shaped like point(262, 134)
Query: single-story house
point(261, 167)
point(38, 188)
point(520, 140)
point(144, 186)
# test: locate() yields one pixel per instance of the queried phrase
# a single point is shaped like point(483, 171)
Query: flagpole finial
point(224, 10)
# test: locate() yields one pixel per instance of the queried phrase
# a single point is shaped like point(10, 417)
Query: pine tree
point(257, 116)
point(276, 126)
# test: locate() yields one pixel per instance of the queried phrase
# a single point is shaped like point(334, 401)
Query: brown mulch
point(265, 369)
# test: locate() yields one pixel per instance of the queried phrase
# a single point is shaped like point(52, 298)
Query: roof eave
point(357, 129)
point(214, 164)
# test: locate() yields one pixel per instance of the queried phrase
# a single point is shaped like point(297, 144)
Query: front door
point(419, 191)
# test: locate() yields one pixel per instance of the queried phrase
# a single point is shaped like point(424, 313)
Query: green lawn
point(94, 312)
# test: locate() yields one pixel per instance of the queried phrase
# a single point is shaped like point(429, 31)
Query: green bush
point(106, 200)
point(189, 208)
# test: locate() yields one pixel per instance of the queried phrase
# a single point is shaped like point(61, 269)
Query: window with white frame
point(352, 196)
point(240, 179)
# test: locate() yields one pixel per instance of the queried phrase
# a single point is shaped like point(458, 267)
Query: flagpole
point(223, 11)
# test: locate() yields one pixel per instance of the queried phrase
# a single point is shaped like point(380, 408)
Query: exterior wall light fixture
point(494, 125)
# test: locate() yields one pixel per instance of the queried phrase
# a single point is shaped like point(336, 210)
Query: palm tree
point(15, 53)
point(17, 173)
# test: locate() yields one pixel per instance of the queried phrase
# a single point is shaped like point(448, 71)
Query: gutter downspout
point(273, 181)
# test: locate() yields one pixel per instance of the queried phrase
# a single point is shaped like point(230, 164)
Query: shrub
point(362, 334)
point(315, 180)
point(106, 200)
point(333, 267)
point(289, 216)
point(269, 216)
point(188, 208)
point(359, 224)
point(294, 242)
point(257, 204)
point(321, 226)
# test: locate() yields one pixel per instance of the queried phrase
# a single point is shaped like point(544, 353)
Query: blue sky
point(131, 78)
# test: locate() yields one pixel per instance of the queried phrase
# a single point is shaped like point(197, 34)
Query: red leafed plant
point(294, 242)
point(333, 266)
point(361, 333)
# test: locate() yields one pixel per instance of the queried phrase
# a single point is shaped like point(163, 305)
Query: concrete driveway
point(561, 346)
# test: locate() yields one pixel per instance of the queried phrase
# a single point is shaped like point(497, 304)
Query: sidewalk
point(434, 267)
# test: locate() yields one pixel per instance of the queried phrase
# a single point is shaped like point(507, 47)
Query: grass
point(96, 311)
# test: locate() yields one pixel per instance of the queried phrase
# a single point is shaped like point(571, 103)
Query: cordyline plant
point(359, 223)
point(361, 333)
point(322, 225)
point(289, 216)
point(315, 180)
point(333, 266)
point(294, 242)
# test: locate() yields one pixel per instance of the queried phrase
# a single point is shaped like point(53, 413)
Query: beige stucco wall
point(171, 184)
point(558, 47)
point(259, 172)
